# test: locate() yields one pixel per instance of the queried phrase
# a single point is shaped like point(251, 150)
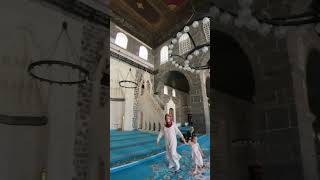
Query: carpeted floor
point(128, 146)
point(155, 168)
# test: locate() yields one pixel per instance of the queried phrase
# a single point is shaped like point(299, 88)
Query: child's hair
point(193, 137)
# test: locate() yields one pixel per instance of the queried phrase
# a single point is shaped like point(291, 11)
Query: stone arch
point(159, 127)
point(159, 83)
point(240, 38)
point(149, 126)
point(300, 44)
point(233, 69)
point(154, 126)
point(234, 91)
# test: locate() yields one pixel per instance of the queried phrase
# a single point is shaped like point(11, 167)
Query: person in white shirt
point(170, 131)
point(196, 154)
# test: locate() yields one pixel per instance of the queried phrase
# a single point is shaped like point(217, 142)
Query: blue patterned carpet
point(155, 168)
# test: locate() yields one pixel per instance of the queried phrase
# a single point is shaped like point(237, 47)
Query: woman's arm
point(178, 132)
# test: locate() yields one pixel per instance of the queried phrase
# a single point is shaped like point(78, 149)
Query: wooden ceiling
point(153, 21)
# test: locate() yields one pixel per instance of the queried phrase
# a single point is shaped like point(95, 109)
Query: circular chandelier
point(42, 69)
point(188, 61)
point(278, 26)
point(127, 83)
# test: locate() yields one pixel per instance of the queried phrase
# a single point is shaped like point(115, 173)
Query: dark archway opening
point(233, 87)
point(177, 80)
point(232, 71)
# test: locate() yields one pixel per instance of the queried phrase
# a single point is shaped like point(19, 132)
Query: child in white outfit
point(196, 154)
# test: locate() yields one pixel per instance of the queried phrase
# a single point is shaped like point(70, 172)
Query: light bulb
point(195, 24)
point(253, 24)
point(264, 29)
point(205, 20)
point(170, 46)
point(214, 11)
point(189, 57)
point(205, 49)
point(196, 52)
point(174, 41)
point(179, 34)
point(186, 29)
point(317, 28)
point(225, 18)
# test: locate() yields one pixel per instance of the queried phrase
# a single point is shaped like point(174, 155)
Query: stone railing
point(156, 104)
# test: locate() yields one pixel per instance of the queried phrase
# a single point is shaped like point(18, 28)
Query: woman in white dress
point(170, 132)
point(196, 154)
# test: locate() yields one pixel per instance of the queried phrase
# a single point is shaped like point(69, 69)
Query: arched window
point(165, 90)
point(206, 29)
point(164, 54)
point(121, 40)
point(142, 88)
point(173, 93)
point(143, 52)
point(184, 44)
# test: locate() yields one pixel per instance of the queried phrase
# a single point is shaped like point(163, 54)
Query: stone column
point(305, 119)
point(61, 115)
point(129, 102)
point(203, 77)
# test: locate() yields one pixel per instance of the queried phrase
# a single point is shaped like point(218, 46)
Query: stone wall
point(94, 36)
point(28, 35)
point(195, 94)
point(133, 43)
point(274, 116)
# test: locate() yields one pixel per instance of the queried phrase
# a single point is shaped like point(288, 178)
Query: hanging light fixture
point(199, 48)
point(127, 82)
point(191, 60)
point(41, 69)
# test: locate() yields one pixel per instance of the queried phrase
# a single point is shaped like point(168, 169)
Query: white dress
point(170, 142)
point(196, 154)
